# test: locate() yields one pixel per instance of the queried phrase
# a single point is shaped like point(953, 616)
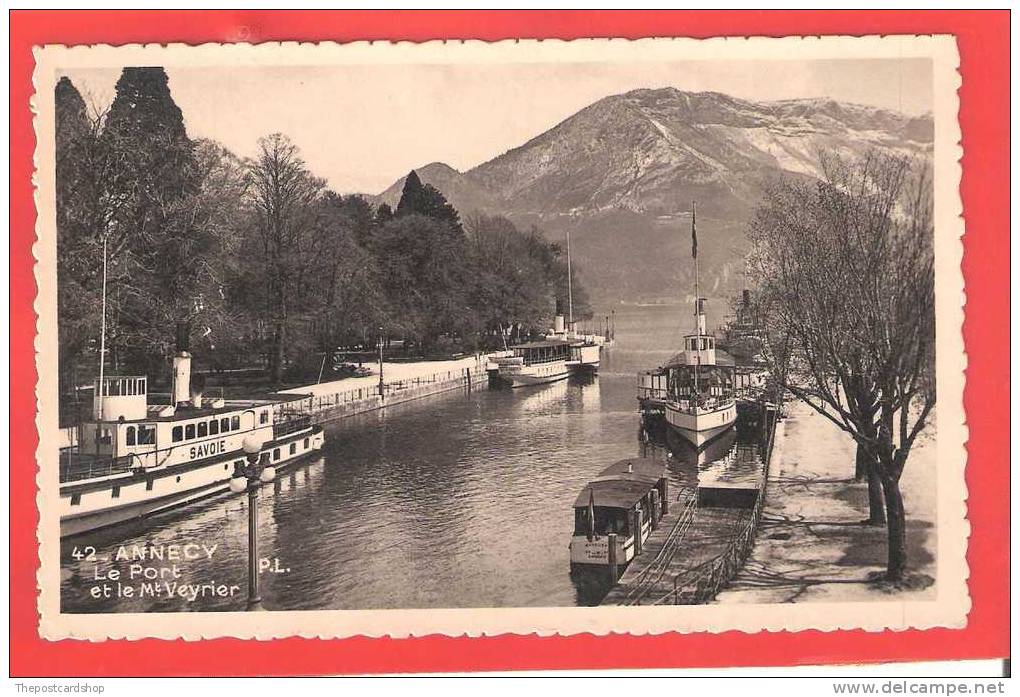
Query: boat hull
point(528, 375)
point(90, 506)
point(701, 427)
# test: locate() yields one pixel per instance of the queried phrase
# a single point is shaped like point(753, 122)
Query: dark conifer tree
point(427, 200)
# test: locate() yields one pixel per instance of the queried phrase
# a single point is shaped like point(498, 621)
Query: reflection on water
point(461, 500)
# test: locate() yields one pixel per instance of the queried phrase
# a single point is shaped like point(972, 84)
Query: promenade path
point(811, 545)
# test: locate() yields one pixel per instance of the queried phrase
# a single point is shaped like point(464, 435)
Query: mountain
point(622, 172)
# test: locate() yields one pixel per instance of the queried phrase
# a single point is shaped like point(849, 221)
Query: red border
point(984, 118)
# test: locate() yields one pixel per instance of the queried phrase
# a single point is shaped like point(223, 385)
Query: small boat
point(134, 459)
point(626, 499)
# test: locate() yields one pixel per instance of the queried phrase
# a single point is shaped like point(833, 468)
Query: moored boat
point(694, 390)
point(626, 500)
point(535, 363)
point(134, 459)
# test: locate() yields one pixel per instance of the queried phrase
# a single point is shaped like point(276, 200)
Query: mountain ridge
point(648, 153)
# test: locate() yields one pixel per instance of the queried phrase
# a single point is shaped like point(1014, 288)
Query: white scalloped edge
point(952, 605)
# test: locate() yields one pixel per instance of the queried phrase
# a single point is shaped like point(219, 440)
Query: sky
point(363, 127)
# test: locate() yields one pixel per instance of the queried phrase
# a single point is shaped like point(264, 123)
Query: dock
point(700, 545)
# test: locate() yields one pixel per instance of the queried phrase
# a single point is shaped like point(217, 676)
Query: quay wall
point(337, 400)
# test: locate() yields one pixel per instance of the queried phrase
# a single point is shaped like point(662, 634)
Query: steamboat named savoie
point(133, 459)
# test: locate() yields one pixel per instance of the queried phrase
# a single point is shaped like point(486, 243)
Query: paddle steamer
point(134, 459)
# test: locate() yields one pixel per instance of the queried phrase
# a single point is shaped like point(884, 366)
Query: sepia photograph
point(608, 335)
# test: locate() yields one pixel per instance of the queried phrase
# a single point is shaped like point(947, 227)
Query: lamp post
point(382, 385)
point(250, 477)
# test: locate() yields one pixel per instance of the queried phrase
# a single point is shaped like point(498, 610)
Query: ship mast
point(697, 292)
point(570, 287)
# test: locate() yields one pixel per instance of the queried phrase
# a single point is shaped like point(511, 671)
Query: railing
point(291, 423)
point(322, 402)
point(76, 467)
point(652, 574)
point(701, 583)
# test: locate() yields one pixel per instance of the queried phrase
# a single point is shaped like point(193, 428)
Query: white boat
point(585, 353)
point(699, 401)
point(134, 459)
point(535, 363)
point(623, 500)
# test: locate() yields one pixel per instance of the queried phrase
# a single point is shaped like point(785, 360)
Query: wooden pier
point(700, 545)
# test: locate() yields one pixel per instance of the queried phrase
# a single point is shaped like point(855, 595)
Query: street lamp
point(249, 477)
point(382, 385)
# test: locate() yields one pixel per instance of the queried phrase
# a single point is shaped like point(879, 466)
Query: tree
point(284, 199)
point(510, 284)
point(845, 270)
point(426, 200)
point(425, 271)
point(159, 246)
point(383, 214)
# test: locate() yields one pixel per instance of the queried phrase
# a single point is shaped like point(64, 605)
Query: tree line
point(845, 272)
point(264, 264)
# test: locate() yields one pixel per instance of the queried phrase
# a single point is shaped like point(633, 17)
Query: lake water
point(459, 500)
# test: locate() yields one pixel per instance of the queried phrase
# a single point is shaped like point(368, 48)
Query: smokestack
point(180, 395)
point(558, 324)
point(747, 297)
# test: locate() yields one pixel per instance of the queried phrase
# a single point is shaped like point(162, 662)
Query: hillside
point(622, 172)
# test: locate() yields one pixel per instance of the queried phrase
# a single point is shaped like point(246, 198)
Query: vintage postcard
point(466, 338)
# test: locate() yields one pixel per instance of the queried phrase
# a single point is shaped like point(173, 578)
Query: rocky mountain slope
point(622, 172)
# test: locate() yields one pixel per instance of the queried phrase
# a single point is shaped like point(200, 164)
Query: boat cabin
point(538, 352)
point(127, 433)
point(627, 499)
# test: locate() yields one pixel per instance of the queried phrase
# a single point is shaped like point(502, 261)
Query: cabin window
point(235, 423)
point(149, 483)
point(203, 429)
point(293, 448)
point(75, 499)
point(224, 424)
point(214, 427)
point(306, 444)
point(276, 454)
point(711, 342)
point(146, 435)
point(178, 434)
point(264, 417)
point(189, 431)
point(115, 492)
point(130, 438)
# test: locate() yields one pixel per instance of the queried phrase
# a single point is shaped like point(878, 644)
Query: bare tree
point(845, 270)
point(283, 197)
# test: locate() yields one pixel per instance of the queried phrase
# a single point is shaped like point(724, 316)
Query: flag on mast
point(694, 231)
point(591, 514)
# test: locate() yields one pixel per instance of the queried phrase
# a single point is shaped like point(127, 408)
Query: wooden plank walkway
point(708, 534)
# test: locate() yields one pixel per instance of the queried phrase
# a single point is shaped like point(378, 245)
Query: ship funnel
point(180, 394)
point(699, 312)
point(558, 326)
